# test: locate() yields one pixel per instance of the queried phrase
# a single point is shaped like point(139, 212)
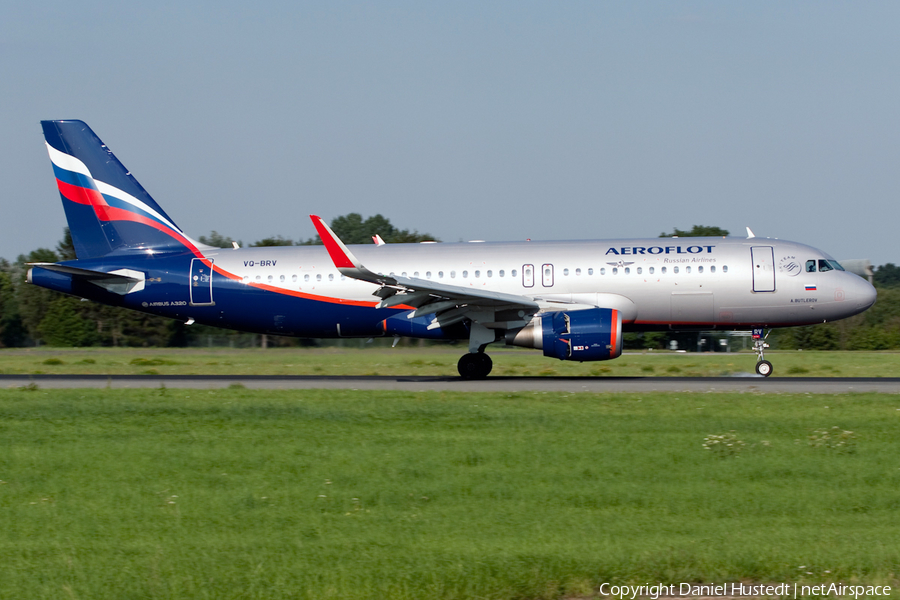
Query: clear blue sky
point(469, 120)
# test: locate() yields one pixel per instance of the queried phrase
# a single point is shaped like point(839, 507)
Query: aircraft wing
point(449, 303)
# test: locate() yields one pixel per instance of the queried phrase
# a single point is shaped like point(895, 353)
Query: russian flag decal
point(810, 288)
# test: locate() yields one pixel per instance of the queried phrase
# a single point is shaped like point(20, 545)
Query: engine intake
point(592, 334)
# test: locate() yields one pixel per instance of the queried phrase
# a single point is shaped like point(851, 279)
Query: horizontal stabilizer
point(121, 281)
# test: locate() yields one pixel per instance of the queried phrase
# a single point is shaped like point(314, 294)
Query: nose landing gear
point(763, 367)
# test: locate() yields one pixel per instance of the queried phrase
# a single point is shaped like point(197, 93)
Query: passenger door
point(763, 258)
point(201, 282)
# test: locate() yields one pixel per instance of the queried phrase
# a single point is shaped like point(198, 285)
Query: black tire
point(474, 366)
point(764, 368)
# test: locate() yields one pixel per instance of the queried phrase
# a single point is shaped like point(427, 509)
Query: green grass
point(434, 360)
point(338, 494)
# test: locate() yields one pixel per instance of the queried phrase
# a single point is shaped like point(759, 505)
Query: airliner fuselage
point(572, 299)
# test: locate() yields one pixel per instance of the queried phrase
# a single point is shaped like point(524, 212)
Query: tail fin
point(107, 209)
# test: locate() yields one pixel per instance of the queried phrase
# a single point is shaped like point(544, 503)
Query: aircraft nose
point(862, 293)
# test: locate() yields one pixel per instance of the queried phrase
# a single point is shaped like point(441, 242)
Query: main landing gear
point(763, 367)
point(476, 365)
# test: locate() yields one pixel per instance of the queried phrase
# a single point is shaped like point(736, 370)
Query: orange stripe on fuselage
point(614, 331)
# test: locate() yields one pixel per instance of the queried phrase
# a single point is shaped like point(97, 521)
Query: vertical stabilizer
point(107, 209)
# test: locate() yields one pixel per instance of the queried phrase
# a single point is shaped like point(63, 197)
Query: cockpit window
point(824, 265)
point(829, 265)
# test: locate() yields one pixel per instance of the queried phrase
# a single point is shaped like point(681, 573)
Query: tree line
point(30, 315)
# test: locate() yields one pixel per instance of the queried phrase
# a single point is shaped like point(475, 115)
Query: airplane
point(573, 300)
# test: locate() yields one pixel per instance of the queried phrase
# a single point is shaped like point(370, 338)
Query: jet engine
point(591, 334)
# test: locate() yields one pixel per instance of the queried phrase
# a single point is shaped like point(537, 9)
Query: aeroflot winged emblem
point(620, 264)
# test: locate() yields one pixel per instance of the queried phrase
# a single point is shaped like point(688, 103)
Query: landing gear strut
point(475, 365)
point(763, 367)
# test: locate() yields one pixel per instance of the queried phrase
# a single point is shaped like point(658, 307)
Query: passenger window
point(490, 273)
point(452, 274)
point(270, 279)
point(501, 273)
point(477, 274)
point(440, 274)
point(824, 266)
point(415, 274)
point(640, 270)
point(246, 278)
point(603, 270)
point(652, 269)
point(258, 277)
point(687, 269)
point(305, 278)
point(566, 272)
point(663, 270)
point(615, 271)
point(700, 269)
point(577, 272)
point(627, 270)
point(281, 279)
point(318, 277)
point(512, 273)
point(590, 271)
point(294, 278)
point(674, 269)
point(465, 274)
point(331, 277)
point(810, 266)
point(725, 269)
point(712, 269)
point(403, 274)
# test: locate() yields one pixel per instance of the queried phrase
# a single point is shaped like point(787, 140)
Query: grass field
point(435, 360)
point(338, 494)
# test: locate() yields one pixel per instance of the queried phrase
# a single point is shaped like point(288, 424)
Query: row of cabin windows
point(514, 273)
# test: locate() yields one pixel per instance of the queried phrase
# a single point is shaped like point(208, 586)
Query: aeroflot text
point(783, 590)
point(660, 250)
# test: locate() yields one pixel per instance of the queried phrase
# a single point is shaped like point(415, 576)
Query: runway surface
point(755, 384)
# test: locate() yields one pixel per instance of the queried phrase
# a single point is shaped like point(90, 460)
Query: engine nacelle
point(591, 334)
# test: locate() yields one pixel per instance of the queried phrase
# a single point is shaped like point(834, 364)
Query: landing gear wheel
point(764, 368)
point(474, 366)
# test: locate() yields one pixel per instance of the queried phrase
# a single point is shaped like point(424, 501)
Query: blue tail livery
point(573, 300)
point(107, 209)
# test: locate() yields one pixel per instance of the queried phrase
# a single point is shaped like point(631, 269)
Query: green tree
point(63, 325)
point(217, 240)
point(12, 332)
point(887, 275)
point(273, 241)
point(698, 231)
point(65, 249)
point(352, 229)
